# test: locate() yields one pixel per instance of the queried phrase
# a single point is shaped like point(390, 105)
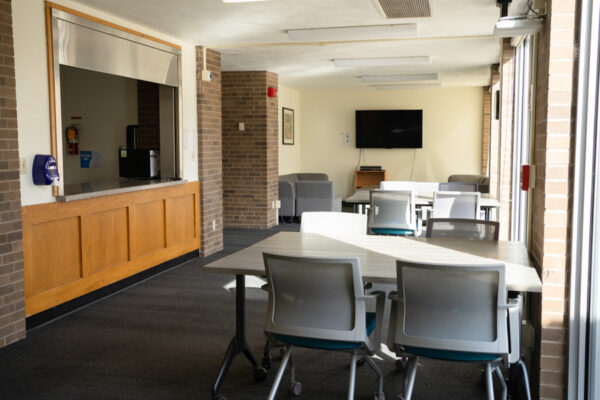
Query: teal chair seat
point(450, 355)
point(327, 344)
point(392, 231)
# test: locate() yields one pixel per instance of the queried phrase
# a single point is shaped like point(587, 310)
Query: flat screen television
point(389, 129)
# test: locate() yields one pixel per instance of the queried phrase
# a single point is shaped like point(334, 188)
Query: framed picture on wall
point(287, 125)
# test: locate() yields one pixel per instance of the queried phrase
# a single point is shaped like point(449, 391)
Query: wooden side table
point(369, 178)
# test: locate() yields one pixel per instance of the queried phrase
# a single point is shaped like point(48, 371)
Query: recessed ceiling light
point(399, 78)
point(381, 61)
point(368, 32)
point(409, 86)
point(241, 1)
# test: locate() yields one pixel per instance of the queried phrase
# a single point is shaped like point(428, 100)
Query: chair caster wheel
point(400, 364)
point(296, 388)
point(379, 396)
point(219, 398)
point(260, 374)
point(266, 362)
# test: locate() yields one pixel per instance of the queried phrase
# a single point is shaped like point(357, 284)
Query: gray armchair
point(316, 196)
point(287, 192)
point(287, 196)
point(482, 181)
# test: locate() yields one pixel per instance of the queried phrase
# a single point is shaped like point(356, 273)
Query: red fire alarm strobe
point(272, 92)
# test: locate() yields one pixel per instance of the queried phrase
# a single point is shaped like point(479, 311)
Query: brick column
point(250, 157)
point(487, 126)
point(507, 90)
point(550, 231)
point(12, 284)
point(210, 164)
point(494, 155)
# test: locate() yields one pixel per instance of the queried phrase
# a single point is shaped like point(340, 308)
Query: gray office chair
point(456, 205)
point(333, 223)
point(458, 187)
point(319, 303)
point(392, 212)
point(454, 313)
point(472, 229)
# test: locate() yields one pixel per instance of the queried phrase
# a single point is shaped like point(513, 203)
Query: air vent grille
point(405, 8)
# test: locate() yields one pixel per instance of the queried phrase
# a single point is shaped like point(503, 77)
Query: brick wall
point(148, 115)
point(210, 165)
point(550, 236)
point(12, 287)
point(487, 126)
point(494, 146)
point(507, 89)
point(250, 157)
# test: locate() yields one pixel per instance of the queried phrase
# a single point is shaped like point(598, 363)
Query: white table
point(361, 197)
point(377, 255)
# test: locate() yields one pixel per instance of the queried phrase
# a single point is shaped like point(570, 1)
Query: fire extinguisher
point(73, 139)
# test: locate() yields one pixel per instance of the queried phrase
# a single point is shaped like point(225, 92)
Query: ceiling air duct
point(403, 8)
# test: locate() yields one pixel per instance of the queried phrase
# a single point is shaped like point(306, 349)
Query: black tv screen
point(389, 129)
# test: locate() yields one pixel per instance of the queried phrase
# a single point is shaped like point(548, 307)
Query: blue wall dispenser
point(45, 171)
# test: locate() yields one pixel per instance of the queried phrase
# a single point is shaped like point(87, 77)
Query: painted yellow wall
point(452, 134)
point(32, 90)
point(289, 156)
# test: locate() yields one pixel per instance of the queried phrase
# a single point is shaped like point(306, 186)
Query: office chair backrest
point(458, 187)
point(472, 229)
point(315, 297)
point(393, 209)
point(456, 205)
point(334, 223)
point(396, 185)
point(452, 307)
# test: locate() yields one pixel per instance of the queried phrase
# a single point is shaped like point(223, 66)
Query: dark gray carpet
point(165, 337)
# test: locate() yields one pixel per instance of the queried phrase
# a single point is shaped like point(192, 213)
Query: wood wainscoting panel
point(55, 248)
point(181, 219)
point(105, 240)
point(73, 248)
point(148, 227)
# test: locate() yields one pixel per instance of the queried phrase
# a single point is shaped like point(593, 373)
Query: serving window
point(115, 105)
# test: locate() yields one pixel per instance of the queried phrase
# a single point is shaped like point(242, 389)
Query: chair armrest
point(514, 330)
point(393, 296)
point(379, 306)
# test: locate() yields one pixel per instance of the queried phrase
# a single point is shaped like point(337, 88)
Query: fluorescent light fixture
point(399, 78)
point(409, 86)
point(241, 1)
point(518, 26)
point(367, 32)
point(381, 61)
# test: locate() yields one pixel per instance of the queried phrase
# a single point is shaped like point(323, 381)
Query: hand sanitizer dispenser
point(45, 171)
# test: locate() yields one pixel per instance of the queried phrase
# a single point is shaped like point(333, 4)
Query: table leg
point(238, 343)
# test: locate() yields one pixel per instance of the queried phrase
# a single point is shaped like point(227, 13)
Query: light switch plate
point(241, 126)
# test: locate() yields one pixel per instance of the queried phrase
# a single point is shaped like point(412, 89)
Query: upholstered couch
point(306, 192)
point(482, 181)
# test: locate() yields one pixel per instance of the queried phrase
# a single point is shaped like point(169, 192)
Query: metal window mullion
point(515, 141)
point(583, 253)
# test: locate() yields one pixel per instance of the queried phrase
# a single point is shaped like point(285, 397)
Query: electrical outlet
point(241, 126)
point(345, 138)
point(194, 155)
point(214, 225)
point(23, 166)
